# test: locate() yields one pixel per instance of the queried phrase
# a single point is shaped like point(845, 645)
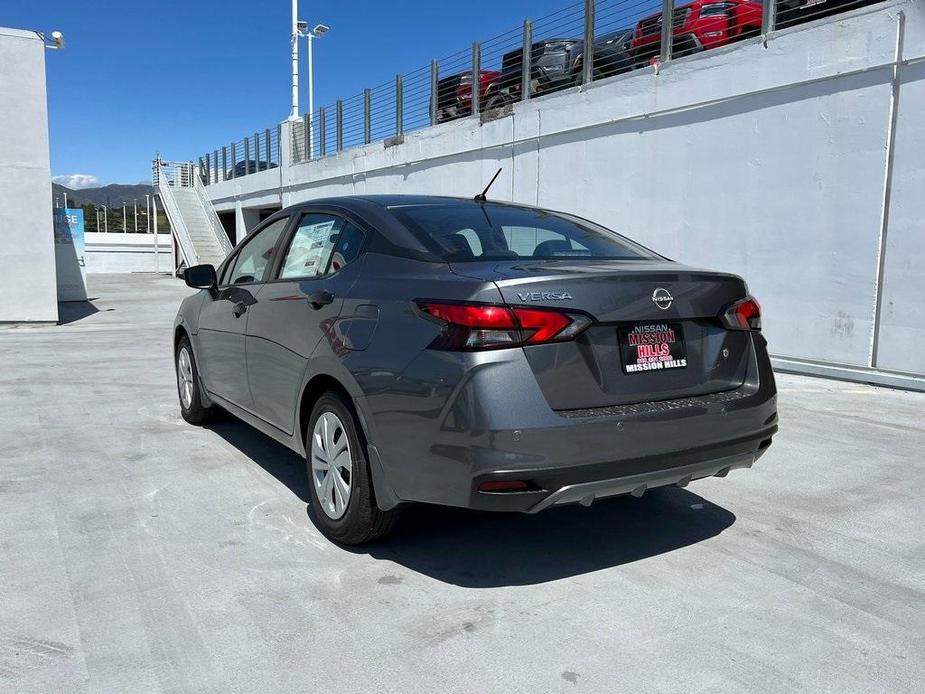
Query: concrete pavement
point(138, 553)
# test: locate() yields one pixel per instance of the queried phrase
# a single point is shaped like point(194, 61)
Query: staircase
point(197, 229)
point(207, 247)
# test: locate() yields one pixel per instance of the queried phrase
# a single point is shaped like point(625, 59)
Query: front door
point(297, 309)
point(223, 318)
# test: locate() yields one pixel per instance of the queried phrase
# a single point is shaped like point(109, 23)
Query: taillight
point(743, 315)
point(468, 326)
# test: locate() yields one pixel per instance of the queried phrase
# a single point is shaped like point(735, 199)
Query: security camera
point(58, 40)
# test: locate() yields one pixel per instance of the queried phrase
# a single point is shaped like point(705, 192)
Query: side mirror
point(201, 277)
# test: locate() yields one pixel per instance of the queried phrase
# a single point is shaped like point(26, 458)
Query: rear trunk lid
point(634, 304)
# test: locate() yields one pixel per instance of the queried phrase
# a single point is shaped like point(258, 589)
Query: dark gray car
point(475, 354)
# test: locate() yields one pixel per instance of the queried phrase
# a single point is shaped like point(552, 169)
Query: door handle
point(239, 309)
point(319, 299)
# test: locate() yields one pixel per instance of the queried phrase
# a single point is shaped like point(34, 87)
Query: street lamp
point(300, 29)
point(316, 33)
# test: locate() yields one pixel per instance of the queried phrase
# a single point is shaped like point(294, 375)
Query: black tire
point(362, 521)
point(497, 100)
point(192, 411)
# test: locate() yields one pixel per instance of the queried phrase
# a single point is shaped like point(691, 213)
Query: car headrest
point(553, 247)
point(458, 246)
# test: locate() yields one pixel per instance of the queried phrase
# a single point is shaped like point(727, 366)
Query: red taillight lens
point(743, 315)
point(489, 326)
point(546, 325)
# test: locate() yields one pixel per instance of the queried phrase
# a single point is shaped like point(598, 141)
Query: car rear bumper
point(586, 484)
point(488, 420)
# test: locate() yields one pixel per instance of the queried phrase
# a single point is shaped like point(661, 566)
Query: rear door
point(298, 309)
point(223, 318)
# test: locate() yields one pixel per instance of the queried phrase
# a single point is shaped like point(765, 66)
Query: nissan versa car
point(475, 354)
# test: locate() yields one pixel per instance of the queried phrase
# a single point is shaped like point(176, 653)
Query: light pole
point(294, 49)
point(124, 219)
point(148, 213)
point(157, 256)
point(135, 203)
point(105, 219)
point(316, 33)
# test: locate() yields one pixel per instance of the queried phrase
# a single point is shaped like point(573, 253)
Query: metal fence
point(257, 152)
point(581, 43)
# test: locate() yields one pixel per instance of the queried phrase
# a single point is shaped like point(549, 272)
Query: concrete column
point(246, 219)
point(28, 283)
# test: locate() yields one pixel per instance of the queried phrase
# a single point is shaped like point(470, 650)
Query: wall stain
point(843, 325)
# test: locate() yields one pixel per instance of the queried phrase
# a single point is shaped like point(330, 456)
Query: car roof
point(395, 200)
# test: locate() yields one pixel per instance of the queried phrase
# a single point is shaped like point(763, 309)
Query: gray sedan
point(474, 354)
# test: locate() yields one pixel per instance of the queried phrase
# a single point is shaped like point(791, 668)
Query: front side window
point(459, 232)
point(321, 244)
point(256, 254)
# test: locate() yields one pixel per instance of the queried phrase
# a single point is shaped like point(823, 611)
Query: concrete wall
point(769, 160)
point(27, 282)
point(115, 253)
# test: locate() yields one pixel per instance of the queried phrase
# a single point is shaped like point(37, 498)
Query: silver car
point(474, 354)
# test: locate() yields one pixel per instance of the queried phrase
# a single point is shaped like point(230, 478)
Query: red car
point(698, 26)
point(454, 93)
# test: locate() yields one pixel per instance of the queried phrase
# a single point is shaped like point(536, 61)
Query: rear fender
point(333, 369)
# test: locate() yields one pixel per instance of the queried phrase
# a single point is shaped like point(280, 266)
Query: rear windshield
point(496, 232)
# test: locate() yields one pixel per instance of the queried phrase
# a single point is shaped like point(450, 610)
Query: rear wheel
point(191, 406)
point(343, 504)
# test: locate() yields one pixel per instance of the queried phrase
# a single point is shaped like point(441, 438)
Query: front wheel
point(191, 406)
point(343, 504)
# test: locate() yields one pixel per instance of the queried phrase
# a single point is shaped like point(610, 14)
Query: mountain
point(114, 195)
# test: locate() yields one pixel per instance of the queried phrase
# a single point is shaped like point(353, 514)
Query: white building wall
point(768, 160)
point(27, 283)
point(121, 253)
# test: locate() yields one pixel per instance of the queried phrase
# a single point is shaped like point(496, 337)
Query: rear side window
point(321, 244)
point(460, 232)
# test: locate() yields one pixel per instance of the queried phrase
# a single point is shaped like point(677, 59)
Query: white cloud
point(77, 181)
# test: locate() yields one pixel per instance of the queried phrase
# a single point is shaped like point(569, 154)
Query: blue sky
point(183, 77)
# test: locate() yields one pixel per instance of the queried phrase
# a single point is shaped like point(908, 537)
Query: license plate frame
point(651, 347)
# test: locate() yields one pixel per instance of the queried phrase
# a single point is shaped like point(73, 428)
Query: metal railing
point(166, 176)
point(257, 152)
point(572, 47)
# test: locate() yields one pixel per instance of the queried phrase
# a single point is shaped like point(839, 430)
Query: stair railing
point(168, 175)
point(217, 229)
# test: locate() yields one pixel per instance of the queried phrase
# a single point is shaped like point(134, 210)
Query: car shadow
point(285, 465)
point(475, 549)
point(485, 550)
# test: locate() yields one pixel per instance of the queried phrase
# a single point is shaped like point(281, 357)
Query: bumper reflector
point(504, 486)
